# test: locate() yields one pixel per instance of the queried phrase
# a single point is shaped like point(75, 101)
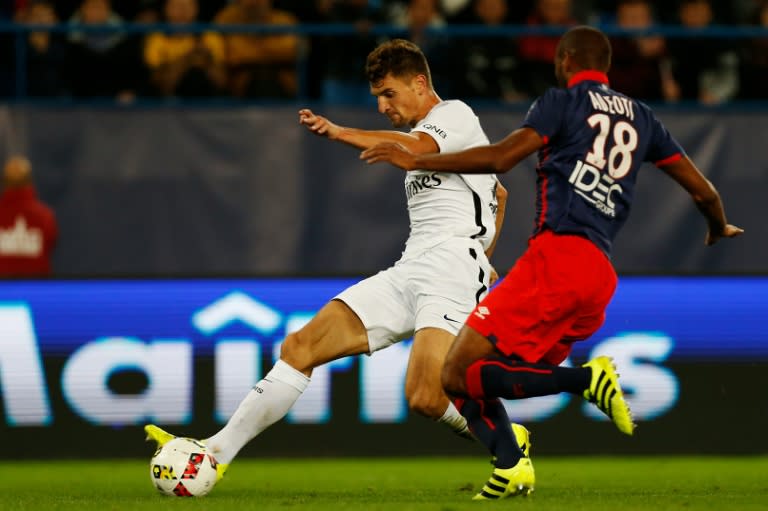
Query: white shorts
point(439, 289)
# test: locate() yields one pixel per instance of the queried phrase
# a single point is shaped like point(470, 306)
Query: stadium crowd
point(80, 64)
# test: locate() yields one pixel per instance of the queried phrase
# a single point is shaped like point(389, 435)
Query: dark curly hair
point(399, 58)
point(588, 47)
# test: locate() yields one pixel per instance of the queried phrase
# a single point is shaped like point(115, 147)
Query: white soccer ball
point(183, 468)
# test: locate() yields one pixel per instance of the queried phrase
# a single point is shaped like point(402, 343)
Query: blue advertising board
point(66, 345)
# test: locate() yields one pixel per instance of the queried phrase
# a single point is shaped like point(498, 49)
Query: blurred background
point(163, 138)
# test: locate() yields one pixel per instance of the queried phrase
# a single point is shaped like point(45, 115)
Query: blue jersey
point(595, 140)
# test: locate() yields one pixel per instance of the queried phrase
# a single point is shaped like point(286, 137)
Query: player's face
point(399, 99)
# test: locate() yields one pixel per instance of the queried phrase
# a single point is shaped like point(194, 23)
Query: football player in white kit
point(443, 272)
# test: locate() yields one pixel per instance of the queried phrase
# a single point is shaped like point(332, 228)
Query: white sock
point(454, 420)
point(266, 404)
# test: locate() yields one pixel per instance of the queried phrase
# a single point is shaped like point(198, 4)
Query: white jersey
point(443, 273)
point(443, 206)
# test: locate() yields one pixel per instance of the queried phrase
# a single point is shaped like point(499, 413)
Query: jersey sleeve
point(545, 114)
point(451, 125)
point(663, 149)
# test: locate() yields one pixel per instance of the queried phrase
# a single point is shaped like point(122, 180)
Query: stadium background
point(191, 204)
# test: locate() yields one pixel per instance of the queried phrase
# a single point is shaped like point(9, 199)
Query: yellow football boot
point(509, 482)
point(605, 392)
point(158, 435)
point(523, 437)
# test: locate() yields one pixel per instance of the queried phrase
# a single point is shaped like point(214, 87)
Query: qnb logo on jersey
point(414, 186)
point(21, 240)
point(435, 129)
point(482, 312)
point(596, 187)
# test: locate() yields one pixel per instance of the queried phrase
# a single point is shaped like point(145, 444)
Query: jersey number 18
point(619, 160)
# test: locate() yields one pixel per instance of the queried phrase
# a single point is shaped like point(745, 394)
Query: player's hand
point(730, 231)
point(494, 277)
point(391, 152)
point(318, 124)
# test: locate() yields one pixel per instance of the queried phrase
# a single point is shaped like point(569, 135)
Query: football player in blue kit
point(591, 142)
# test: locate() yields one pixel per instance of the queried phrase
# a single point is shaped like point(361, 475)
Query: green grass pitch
point(572, 484)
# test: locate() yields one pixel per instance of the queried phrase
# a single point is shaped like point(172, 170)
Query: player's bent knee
point(428, 404)
point(296, 351)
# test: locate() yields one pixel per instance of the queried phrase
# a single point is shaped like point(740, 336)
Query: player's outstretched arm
point(492, 159)
point(706, 198)
point(364, 139)
point(318, 124)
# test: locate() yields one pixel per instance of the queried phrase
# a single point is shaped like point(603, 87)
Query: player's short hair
point(399, 58)
point(588, 47)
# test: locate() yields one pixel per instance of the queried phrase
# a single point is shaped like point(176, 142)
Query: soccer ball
point(183, 468)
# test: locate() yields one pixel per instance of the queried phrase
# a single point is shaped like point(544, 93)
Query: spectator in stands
point(260, 65)
point(335, 62)
point(7, 52)
point(210, 8)
point(452, 10)
point(538, 52)
point(487, 66)
point(754, 62)
point(419, 18)
point(705, 67)
point(639, 65)
point(28, 229)
point(185, 64)
point(126, 9)
point(102, 64)
point(149, 11)
point(45, 52)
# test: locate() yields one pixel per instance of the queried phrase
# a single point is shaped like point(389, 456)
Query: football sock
point(266, 404)
point(454, 420)
point(489, 422)
point(498, 376)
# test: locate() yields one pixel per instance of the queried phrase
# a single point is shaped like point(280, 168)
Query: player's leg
point(334, 332)
point(423, 389)
point(487, 419)
point(513, 310)
point(446, 283)
point(528, 323)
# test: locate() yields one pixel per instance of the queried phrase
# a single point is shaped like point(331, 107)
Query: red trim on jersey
point(543, 214)
point(544, 156)
point(589, 75)
point(666, 161)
